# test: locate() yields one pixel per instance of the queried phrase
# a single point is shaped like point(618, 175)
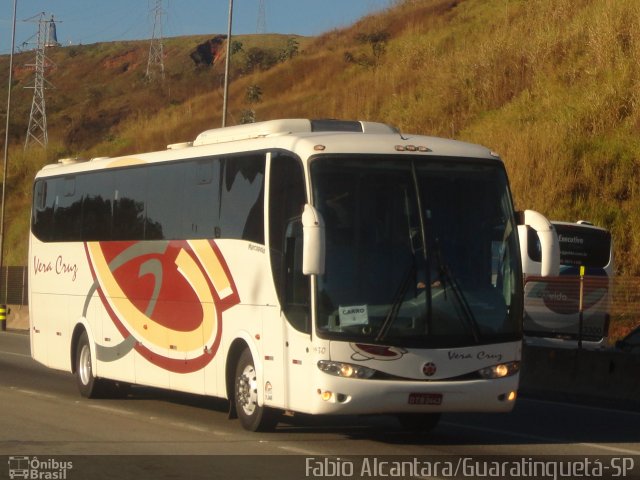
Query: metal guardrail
point(581, 307)
point(14, 286)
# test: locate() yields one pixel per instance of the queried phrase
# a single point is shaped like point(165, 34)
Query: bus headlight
point(501, 370)
point(346, 370)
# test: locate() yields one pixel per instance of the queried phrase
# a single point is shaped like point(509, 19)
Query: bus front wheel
point(252, 416)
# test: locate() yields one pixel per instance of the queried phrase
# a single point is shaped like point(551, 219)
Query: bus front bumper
point(337, 395)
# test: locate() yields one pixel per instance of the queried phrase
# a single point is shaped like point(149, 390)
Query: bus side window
point(164, 212)
point(242, 197)
point(202, 199)
point(97, 205)
point(67, 213)
point(129, 200)
point(286, 202)
point(42, 216)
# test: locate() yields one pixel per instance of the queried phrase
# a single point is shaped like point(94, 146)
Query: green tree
point(290, 50)
point(254, 94)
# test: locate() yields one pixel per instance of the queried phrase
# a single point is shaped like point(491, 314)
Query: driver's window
point(286, 203)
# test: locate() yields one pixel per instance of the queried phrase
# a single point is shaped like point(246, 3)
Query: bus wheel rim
point(247, 390)
point(84, 366)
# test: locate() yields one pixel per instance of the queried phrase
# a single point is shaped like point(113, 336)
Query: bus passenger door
point(286, 200)
point(297, 315)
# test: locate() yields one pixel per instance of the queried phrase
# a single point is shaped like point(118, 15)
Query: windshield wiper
point(396, 304)
point(447, 278)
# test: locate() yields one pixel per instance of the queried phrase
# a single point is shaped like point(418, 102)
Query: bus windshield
point(420, 253)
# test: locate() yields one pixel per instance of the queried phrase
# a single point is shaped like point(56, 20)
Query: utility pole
point(37, 130)
point(3, 306)
point(155, 63)
point(225, 94)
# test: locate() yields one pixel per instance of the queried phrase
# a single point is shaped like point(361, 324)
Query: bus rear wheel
point(419, 422)
point(252, 416)
point(87, 382)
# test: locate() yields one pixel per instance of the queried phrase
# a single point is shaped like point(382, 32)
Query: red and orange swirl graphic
point(168, 295)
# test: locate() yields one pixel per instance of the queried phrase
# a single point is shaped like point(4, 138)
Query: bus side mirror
point(549, 243)
point(313, 241)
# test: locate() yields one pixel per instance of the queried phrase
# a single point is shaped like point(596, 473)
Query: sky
point(89, 21)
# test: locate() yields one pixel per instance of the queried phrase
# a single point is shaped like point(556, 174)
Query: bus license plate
point(425, 399)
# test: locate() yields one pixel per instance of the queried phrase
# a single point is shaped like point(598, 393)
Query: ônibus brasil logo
point(166, 299)
point(34, 468)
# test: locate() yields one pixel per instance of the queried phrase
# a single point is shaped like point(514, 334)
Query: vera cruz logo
point(166, 298)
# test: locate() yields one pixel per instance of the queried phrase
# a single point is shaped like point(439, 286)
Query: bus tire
point(87, 383)
point(252, 416)
point(419, 422)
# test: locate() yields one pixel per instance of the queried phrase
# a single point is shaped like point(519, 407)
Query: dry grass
point(552, 85)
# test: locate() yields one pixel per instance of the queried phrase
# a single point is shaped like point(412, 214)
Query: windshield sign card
point(354, 315)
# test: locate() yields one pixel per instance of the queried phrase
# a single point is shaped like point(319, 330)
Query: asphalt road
point(42, 414)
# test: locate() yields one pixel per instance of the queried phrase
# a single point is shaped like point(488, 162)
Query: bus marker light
point(319, 148)
point(326, 395)
point(509, 397)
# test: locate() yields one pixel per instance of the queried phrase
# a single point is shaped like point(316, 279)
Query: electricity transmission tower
point(155, 64)
point(46, 37)
point(262, 18)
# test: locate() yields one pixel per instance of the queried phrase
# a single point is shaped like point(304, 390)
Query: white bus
point(552, 305)
point(323, 267)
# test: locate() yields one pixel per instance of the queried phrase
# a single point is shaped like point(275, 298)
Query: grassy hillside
point(552, 85)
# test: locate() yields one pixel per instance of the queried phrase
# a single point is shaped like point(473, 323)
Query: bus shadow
point(545, 424)
point(472, 429)
point(139, 393)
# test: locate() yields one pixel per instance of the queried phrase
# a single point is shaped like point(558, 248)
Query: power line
point(46, 37)
point(156, 50)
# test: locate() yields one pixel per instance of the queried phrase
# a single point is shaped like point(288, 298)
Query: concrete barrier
point(607, 378)
point(17, 317)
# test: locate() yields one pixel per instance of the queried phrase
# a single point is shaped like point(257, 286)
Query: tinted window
point(583, 246)
point(67, 218)
point(97, 205)
point(42, 215)
point(286, 202)
point(165, 202)
point(129, 205)
point(201, 198)
point(202, 201)
point(242, 197)
point(579, 246)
